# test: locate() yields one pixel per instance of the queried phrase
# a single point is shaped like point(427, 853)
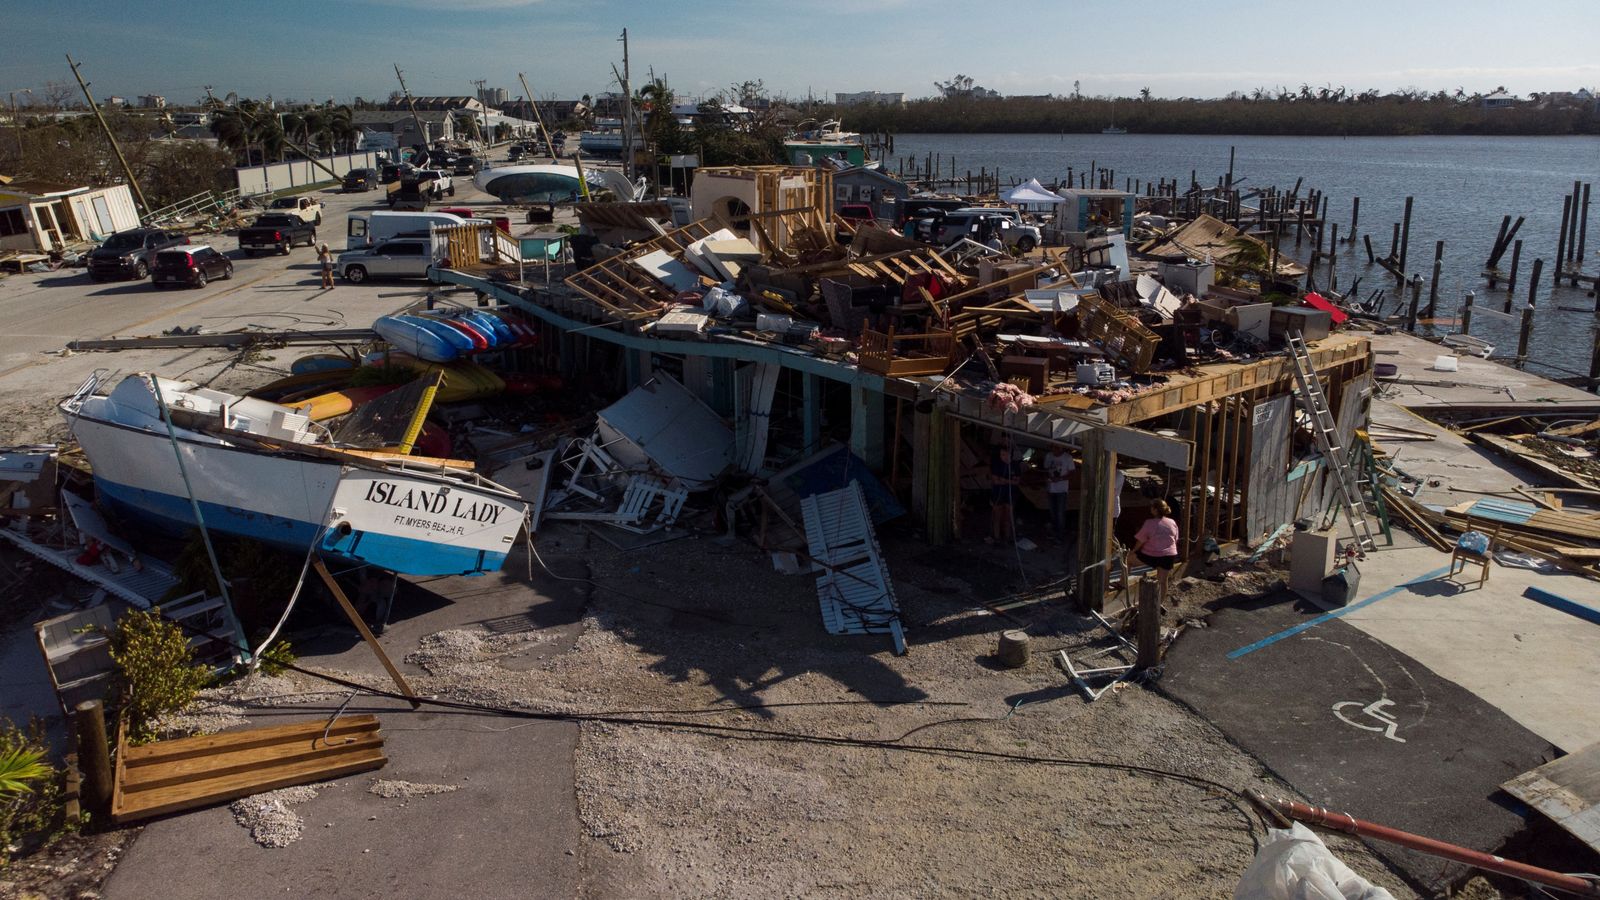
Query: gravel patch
point(689, 629)
point(391, 789)
point(268, 816)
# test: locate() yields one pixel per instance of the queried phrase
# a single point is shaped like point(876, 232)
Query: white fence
point(255, 180)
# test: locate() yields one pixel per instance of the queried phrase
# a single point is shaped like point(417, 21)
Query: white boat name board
point(480, 510)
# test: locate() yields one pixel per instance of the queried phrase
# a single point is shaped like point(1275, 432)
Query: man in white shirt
point(1058, 465)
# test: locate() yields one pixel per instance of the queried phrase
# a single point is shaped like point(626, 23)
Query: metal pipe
point(194, 502)
point(1339, 821)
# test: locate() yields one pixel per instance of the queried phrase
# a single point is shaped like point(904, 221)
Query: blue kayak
point(502, 332)
point(418, 337)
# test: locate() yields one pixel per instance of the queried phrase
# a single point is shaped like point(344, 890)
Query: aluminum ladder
point(1325, 432)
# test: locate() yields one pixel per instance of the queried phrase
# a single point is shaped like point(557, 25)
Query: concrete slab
point(509, 829)
point(1358, 726)
point(1536, 664)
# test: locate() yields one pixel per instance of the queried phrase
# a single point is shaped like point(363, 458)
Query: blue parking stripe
point(1289, 632)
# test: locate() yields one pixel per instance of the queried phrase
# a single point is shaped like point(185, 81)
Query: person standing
point(1002, 484)
point(325, 258)
point(1058, 466)
point(1156, 543)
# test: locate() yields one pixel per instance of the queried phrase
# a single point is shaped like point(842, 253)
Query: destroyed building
point(800, 331)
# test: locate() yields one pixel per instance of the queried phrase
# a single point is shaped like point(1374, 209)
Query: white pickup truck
point(439, 182)
point(306, 209)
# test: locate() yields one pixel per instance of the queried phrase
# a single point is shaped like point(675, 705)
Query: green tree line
point(1361, 114)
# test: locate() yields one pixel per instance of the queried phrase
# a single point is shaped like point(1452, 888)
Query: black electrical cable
point(1233, 796)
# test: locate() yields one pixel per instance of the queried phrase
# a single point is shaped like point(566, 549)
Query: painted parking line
point(1290, 632)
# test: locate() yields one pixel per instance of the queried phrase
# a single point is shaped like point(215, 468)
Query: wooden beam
point(366, 633)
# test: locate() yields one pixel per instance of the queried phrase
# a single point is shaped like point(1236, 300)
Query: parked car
point(856, 214)
point(276, 231)
point(193, 265)
point(979, 220)
point(306, 209)
point(395, 258)
point(360, 180)
point(129, 254)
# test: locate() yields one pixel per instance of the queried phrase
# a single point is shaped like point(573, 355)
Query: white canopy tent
point(1031, 193)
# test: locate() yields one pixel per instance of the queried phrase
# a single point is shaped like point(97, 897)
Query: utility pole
point(421, 131)
point(16, 123)
point(627, 109)
point(537, 117)
point(487, 137)
point(127, 170)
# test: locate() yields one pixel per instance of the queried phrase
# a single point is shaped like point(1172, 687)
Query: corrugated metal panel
point(854, 590)
point(663, 422)
point(1511, 512)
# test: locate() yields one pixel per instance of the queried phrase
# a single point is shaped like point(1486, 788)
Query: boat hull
point(403, 522)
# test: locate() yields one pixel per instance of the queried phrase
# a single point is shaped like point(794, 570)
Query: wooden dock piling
point(1583, 236)
point(1523, 335)
point(1433, 289)
point(1466, 312)
point(1561, 239)
point(1516, 260)
point(1405, 236)
point(1594, 362)
point(1355, 216)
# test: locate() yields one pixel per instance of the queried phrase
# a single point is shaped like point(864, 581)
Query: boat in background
point(266, 472)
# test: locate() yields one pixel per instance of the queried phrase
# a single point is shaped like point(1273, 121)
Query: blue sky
point(345, 48)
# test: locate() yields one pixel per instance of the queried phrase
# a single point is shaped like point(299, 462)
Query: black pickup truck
point(273, 231)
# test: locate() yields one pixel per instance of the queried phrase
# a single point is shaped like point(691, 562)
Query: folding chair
point(1474, 547)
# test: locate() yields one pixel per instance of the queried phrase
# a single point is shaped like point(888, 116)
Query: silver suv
point(968, 221)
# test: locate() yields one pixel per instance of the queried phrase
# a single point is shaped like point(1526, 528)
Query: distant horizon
point(37, 102)
point(343, 49)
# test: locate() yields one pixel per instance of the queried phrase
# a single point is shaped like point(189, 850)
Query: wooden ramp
point(170, 776)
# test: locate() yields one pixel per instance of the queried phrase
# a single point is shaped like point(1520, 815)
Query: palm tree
point(233, 132)
point(20, 767)
point(342, 128)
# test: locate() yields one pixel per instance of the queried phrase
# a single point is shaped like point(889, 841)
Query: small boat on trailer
point(267, 472)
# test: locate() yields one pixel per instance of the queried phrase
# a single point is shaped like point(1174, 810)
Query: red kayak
point(479, 342)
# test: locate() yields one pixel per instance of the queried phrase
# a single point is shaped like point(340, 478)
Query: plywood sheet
point(1566, 791)
point(1269, 493)
point(667, 269)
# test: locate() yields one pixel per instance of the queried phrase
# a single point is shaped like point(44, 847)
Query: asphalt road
point(1357, 726)
point(39, 314)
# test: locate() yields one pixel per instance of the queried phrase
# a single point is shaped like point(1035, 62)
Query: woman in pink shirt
point(1156, 543)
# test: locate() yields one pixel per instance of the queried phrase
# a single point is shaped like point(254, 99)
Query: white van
point(365, 229)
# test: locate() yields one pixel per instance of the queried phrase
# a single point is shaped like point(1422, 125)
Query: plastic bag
point(723, 302)
point(1294, 864)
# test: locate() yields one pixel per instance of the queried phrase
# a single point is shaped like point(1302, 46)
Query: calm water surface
point(1462, 186)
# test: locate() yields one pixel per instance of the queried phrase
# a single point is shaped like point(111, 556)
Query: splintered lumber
point(187, 773)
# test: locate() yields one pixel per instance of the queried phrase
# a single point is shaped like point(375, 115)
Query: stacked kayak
point(446, 335)
point(463, 379)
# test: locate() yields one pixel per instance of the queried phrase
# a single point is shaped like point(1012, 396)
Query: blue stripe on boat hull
point(404, 555)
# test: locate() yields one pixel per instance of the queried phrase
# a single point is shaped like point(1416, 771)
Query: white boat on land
point(266, 472)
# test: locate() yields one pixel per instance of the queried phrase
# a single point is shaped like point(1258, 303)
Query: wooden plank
point(208, 793)
point(1567, 791)
point(178, 749)
point(142, 779)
